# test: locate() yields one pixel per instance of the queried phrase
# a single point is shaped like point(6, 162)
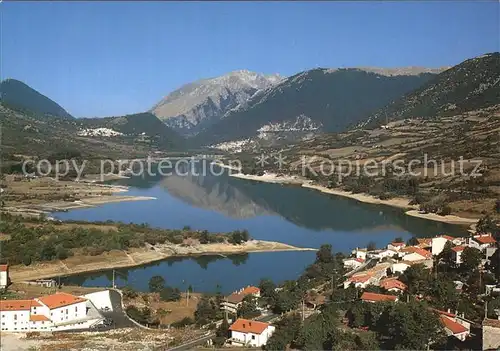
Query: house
point(374, 297)
point(399, 267)
point(380, 254)
point(424, 243)
point(359, 280)
point(393, 285)
point(396, 246)
point(457, 254)
point(413, 253)
point(491, 334)
point(439, 242)
point(482, 241)
point(353, 262)
point(454, 325)
point(60, 311)
point(360, 253)
point(4, 276)
point(245, 332)
point(232, 302)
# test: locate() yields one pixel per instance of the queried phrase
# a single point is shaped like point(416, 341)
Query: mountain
point(196, 105)
point(329, 99)
point(21, 96)
point(139, 127)
point(473, 84)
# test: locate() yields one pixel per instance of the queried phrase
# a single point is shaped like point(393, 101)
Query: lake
point(285, 213)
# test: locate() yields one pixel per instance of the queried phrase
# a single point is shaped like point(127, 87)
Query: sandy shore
point(447, 219)
point(270, 178)
point(403, 203)
point(136, 257)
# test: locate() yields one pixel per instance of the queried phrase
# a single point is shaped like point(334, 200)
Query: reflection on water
point(289, 214)
point(204, 273)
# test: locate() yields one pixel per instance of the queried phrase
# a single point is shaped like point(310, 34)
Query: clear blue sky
point(113, 58)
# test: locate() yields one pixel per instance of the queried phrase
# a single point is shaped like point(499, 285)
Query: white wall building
point(353, 262)
point(457, 253)
point(60, 311)
point(438, 244)
point(399, 267)
point(4, 276)
point(232, 302)
point(481, 242)
point(360, 253)
point(246, 332)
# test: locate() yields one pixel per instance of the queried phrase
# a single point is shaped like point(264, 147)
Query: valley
point(261, 176)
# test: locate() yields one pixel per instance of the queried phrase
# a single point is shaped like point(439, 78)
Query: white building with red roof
point(353, 262)
point(245, 332)
point(232, 302)
point(482, 241)
point(60, 311)
point(454, 325)
point(374, 297)
point(393, 285)
point(414, 253)
point(457, 253)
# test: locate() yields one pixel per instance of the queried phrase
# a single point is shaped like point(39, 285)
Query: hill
point(21, 96)
point(470, 85)
point(329, 99)
point(196, 105)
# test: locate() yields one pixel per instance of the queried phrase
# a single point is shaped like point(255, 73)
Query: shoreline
point(81, 264)
point(401, 203)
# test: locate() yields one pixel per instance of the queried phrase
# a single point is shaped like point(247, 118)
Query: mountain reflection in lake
point(285, 213)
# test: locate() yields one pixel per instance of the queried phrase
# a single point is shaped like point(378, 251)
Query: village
point(371, 276)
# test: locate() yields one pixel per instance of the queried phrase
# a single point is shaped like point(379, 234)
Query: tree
point(409, 326)
point(204, 237)
point(416, 277)
point(206, 311)
point(444, 293)
point(497, 206)
point(471, 259)
point(156, 283)
point(170, 294)
point(446, 256)
point(222, 333)
point(398, 240)
point(248, 308)
point(324, 254)
point(286, 331)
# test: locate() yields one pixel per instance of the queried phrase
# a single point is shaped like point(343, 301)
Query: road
point(189, 345)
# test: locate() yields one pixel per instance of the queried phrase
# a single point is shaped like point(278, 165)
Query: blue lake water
point(285, 213)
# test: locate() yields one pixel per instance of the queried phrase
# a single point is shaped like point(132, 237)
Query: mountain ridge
point(20, 95)
point(198, 104)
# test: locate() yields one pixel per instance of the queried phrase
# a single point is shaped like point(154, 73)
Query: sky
point(115, 58)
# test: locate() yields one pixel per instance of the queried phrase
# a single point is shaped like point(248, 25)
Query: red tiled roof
point(485, 239)
point(251, 290)
point(424, 241)
point(392, 283)
point(38, 318)
point(458, 248)
point(454, 327)
point(359, 259)
point(237, 297)
point(4, 267)
point(447, 237)
point(60, 300)
point(368, 296)
point(360, 278)
point(15, 305)
point(248, 326)
point(418, 250)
